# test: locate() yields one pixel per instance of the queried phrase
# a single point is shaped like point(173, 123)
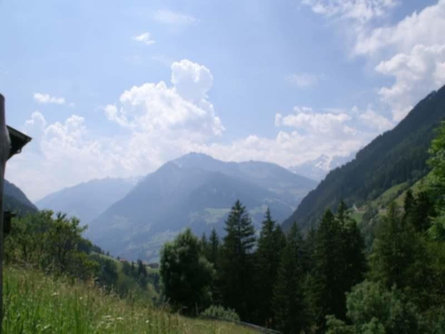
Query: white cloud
point(158, 124)
point(174, 18)
point(416, 74)
point(425, 27)
point(144, 38)
point(191, 80)
point(411, 51)
point(46, 98)
point(305, 120)
point(360, 10)
point(303, 80)
point(373, 120)
point(159, 121)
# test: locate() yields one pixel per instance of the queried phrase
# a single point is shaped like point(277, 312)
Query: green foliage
point(338, 264)
point(54, 244)
point(288, 302)
point(220, 313)
point(236, 263)
point(399, 255)
point(186, 274)
point(267, 255)
point(51, 244)
point(375, 309)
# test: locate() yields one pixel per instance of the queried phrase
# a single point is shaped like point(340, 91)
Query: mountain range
point(193, 191)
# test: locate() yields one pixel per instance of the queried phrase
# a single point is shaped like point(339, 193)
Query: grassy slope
point(35, 303)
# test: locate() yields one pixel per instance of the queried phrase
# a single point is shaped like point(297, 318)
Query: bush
point(220, 313)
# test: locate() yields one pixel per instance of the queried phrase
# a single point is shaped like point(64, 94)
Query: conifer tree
point(338, 264)
point(398, 257)
point(236, 279)
point(213, 248)
point(213, 256)
point(288, 300)
point(270, 244)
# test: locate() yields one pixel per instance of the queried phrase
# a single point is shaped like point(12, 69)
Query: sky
point(117, 88)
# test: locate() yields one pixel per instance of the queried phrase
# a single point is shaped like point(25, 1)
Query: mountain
point(15, 200)
point(193, 191)
point(318, 168)
point(392, 158)
point(87, 200)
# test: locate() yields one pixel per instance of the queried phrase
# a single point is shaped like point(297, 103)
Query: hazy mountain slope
point(395, 157)
point(194, 191)
point(16, 201)
point(87, 200)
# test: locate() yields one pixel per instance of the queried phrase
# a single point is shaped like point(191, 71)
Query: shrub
point(221, 313)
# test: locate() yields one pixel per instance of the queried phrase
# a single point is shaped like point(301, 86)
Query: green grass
point(36, 303)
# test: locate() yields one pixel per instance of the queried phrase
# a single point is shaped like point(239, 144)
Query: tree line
point(324, 281)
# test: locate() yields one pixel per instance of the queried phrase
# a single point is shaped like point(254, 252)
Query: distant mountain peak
point(318, 168)
point(192, 158)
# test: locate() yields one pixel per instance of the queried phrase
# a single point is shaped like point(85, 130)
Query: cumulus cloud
point(158, 122)
point(173, 18)
point(154, 107)
point(416, 74)
point(305, 120)
point(144, 38)
point(46, 99)
point(425, 27)
point(411, 51)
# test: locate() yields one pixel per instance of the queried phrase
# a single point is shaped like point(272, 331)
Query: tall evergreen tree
point(326, 289)
point(353, 246)
point(288, 299)
point(399, 256)
point(186, 273)
point(236, 279)
point(213, 248)
point(338, 264)
point(270, 244)
point(213, 256)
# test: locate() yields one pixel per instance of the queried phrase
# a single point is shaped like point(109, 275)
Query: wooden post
point(4, 152)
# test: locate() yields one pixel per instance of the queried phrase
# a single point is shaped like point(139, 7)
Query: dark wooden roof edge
point(17, 133)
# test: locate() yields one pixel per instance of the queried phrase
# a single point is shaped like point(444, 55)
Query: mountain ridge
point(396, 156)
point(193, 191)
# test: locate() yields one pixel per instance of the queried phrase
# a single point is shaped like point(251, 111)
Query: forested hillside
point(326, 281)
point(392, 158)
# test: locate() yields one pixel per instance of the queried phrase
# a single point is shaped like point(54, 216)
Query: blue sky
point(116, 88)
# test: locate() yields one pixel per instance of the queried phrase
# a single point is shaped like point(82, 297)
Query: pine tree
point(353, 246)
point(236, 278)
point(213, 248)
point(288, 299)
point(213, 256)
point(399, 256)
point(270, 244)
point(338, 264)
